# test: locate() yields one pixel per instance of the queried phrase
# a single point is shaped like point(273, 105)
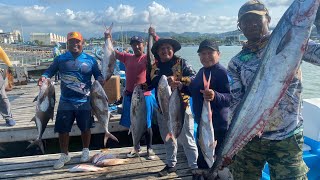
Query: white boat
point(311, 147)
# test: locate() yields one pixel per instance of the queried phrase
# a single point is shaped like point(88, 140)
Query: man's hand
point(11, 70)
point(107, 35)
point(173, 83)
point(152, 31)
point(208, 94)
point(41, 79)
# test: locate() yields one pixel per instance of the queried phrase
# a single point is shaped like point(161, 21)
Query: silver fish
point(109, 60)
point(150, 57)
point(138, 115)
point(100, 105)
point(279, 63)
point(44, 110)
point(163, 95)
point(206, 132)
point(102, 156)
point(85, 168)
point(176, 115)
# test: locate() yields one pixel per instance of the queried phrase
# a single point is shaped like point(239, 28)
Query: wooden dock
point(23, 109)
point(41, 167)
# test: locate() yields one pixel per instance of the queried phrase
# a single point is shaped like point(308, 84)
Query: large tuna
point(163, 94)
point(138, 115)
point(109, 60)
point(279, 63)
point(44, 110)
point(176, 115)
point(206, 132)
point(100, 108)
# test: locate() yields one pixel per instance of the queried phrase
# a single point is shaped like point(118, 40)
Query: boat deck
point(23, 109)
point(41, 167)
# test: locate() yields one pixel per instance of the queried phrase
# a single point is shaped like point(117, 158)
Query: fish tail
point(206, 83)
point(33, 119)
point(39, 143)
point(170, 136)
point(108, 135)
point(139, 157)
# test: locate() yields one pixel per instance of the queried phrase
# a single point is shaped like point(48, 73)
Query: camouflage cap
point(252, 6)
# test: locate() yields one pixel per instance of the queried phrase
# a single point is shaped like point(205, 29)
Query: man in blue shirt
point(76, 69)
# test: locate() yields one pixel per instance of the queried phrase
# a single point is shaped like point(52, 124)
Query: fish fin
point(39, 143)
point(33, 119)
point(129, 131)
point(284, 41)
point(139, 156)
point(206, 83)
point(108, 135)
point(214, 144)
point(109, 28)
point(35, 99)
point(170, 136)
point(259, 134)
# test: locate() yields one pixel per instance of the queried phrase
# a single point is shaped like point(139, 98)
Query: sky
point(91, 16)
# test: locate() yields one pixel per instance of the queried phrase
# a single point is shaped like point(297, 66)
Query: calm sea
point(310, 73)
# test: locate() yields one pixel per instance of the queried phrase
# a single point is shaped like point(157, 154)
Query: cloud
point(38, 18)
point(210, 1)
point(277, 3)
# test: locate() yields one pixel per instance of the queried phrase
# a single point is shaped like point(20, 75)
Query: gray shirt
point(286, 118)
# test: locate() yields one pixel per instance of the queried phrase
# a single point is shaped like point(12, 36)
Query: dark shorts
point(284, 158)
point(68, 112)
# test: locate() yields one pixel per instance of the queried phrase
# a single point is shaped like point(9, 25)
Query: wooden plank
point(40, 167)
point(25, 159)
point(27, 134)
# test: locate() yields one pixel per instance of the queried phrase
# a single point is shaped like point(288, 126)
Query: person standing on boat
point(179, 75)
point(135, 65)
point(5, 108)
point(76, 69)
point(56, 52)
point(218, 94)
point(281, 142)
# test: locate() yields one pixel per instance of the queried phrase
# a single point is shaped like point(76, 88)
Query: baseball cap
point(208, 44)
point(252, 6)
point(74, 35)
point(138, 39)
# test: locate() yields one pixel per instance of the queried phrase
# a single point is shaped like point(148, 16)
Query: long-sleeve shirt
point(177, 67)
point(221, 102)
point(75, 75)
point(5, 58)
point(286, 118)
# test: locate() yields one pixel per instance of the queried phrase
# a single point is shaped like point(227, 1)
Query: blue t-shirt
point(75, 75)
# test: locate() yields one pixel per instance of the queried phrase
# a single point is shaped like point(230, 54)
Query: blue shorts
point(126, 104)
point(68, 112)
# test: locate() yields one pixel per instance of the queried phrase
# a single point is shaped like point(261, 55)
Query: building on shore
point(47, 38)
point(10, 37)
